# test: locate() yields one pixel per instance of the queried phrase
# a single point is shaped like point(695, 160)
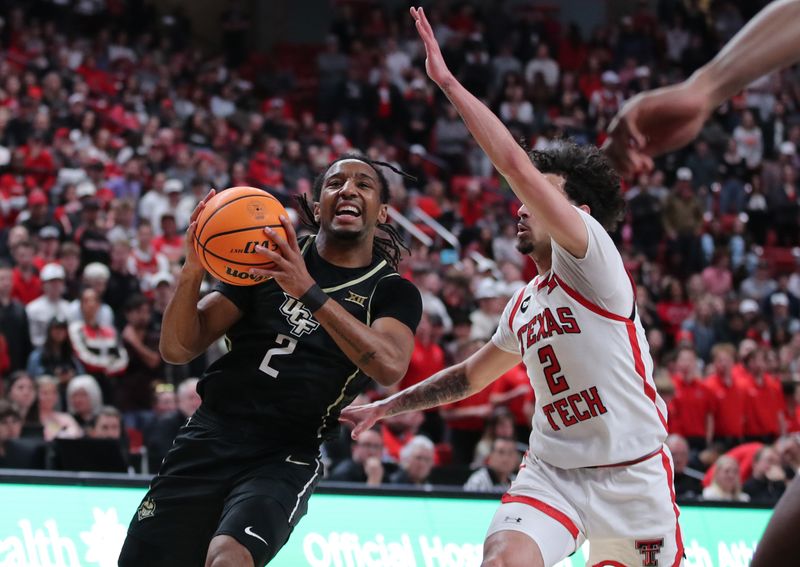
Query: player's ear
point(383, 214)
point(316, 212)
point(586, 209)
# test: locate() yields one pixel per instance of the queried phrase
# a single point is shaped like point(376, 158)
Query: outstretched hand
point(289, 268)
point(654, 123)
point(362, 418)
point(434, 61)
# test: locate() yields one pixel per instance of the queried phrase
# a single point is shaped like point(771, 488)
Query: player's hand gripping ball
point(230, 227)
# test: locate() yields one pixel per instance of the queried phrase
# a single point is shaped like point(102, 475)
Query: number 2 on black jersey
point(275, 351)
point(557, 383)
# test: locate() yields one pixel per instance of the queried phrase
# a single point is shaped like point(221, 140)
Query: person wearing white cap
point(485, 318)
point(782, 319)
point(85, 189)
point(95, 276)
point(48, 306)
point(684, 174)
point(608, 99)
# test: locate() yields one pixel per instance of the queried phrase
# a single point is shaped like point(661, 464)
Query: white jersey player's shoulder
point(600, 275)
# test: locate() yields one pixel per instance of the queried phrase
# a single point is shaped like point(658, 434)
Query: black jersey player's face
point(350, 200)
point(531, 235)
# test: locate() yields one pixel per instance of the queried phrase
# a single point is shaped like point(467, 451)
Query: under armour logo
point(298, 316)
point(649, 548)
point(359, 300)
point(512, 520)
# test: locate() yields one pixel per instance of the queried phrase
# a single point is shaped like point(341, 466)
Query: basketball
point(230, 227)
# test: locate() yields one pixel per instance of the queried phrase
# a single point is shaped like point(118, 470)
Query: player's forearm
point(770, 41)
point(449, 385)
point(374, 355)
point(181, 335)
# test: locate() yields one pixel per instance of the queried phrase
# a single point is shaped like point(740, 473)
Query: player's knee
point(225, 551)
point(511, 549)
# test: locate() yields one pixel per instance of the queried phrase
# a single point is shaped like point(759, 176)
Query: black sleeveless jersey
point(284, 374)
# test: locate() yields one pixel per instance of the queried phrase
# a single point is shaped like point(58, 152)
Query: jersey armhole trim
point(372, 294)
point(591, 306)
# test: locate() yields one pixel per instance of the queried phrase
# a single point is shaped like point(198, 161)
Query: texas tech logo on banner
point(649, 548)
point(298, 316)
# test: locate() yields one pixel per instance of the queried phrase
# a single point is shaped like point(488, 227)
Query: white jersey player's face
point(531, 236)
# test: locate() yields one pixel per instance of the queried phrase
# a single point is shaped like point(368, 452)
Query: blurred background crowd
point(114, 124)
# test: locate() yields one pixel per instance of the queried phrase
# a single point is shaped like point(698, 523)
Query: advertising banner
point(74, 526)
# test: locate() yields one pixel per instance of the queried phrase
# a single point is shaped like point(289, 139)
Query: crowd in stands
point(114, 124)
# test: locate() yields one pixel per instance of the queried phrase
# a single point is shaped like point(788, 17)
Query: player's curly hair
point(389, 245)
point(589, 179)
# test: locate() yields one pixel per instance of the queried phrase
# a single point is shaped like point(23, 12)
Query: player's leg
point(536, 524)
point(261, 511)
point(173, 524)
point(521, 535)
point(634, 518)
point(225, 551)
point(180, 512)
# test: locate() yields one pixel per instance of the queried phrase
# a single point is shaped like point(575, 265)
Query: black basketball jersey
point(283, 371)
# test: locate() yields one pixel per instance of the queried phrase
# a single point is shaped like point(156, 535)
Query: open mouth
point(347, 211)
point(522, 228)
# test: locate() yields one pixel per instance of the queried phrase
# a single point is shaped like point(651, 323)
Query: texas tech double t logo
point(649, 548)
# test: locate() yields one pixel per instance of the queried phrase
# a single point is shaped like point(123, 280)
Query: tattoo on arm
point(366, 358)
point(449, 385)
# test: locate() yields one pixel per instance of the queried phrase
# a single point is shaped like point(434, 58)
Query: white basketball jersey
point(590, 366)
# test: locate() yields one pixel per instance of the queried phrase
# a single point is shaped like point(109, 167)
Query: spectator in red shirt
point(729, 396)
point(674, 307)
point(38, 163)
point(170, 243)
point(26, 284)
point(764, 419)
point(513, 390)
point(691, 412)
point(793, 410)
point(264, 169)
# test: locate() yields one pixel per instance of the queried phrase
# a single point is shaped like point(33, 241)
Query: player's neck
point(344, 253)
point(543, 263)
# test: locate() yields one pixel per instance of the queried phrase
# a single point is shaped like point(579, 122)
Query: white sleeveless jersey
point(590, 367)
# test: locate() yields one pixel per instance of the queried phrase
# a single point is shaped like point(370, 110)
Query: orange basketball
point(229, 229)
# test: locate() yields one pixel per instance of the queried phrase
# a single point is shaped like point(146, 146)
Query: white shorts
point(627, 513)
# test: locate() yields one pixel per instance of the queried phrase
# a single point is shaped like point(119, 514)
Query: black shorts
point(215, 480)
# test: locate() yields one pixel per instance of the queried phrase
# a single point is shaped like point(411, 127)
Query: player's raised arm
point(190, 325)
point(546, 203)
point(449, 385)
point(668, 118)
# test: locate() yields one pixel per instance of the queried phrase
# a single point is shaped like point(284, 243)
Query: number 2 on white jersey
point(275, 351)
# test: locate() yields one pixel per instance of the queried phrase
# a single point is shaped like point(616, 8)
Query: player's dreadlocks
point(389, 247)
